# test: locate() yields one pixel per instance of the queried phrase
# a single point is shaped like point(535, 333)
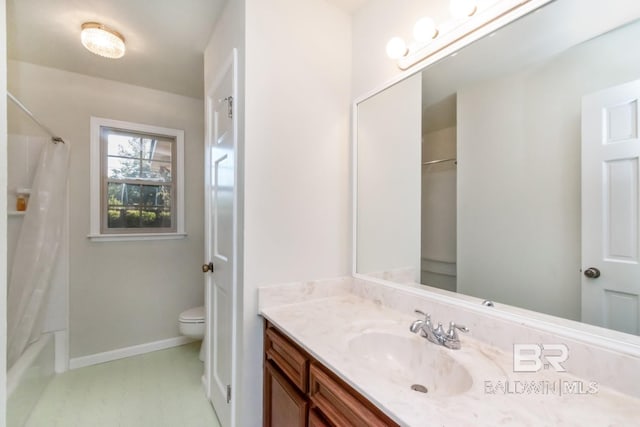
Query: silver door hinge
point(229, 100)
point(228, 393)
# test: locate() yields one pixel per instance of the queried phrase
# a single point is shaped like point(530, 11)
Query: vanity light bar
point(452, 35)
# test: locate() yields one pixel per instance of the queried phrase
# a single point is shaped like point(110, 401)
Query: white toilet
point(192, 325)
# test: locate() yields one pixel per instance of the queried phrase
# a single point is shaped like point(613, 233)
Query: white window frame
point(95, 233)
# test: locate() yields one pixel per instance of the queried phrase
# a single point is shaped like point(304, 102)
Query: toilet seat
point(193, 315)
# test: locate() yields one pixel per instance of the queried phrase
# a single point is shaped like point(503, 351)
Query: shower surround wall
point(23, 152)
point(121, 294)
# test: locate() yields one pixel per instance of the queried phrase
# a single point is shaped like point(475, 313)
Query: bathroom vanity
point(340, 352)
point(299, 390)
point(557, 344)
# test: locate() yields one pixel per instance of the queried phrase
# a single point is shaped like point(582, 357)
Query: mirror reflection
point(509, 171)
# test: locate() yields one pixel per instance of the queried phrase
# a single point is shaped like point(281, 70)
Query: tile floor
point(159, 389)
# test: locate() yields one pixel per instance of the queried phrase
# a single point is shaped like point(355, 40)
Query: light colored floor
point(159, 389)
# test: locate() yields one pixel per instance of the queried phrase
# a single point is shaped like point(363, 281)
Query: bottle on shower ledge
point(22, 199)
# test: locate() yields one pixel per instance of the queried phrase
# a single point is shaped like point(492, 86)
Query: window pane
point(116, 217)
point(156, 171)
point(150, 195)
point(132, 218)
point(119, 168)
point(164, 219)
point(162, 151)
point(158, 196)
point(148, 218)
point(138, 169)
point(123, 145)
point(157, 149)
point(115, 194)
point(131, 194)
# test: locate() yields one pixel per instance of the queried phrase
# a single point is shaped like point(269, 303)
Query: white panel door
point(610, 208)
point(221, 240)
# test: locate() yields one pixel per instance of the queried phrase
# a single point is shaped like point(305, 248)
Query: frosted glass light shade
point(102, 41)
point(425, 30)
point(396, 48)
point(462, 8)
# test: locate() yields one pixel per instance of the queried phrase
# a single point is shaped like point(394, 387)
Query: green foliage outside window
point(132, 205)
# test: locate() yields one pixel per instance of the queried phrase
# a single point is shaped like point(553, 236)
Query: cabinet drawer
point(286, 407)
point(316, 420)
point(340, 405)
point(288, 358)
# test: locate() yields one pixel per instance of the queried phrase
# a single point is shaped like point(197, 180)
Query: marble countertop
point(326, 328)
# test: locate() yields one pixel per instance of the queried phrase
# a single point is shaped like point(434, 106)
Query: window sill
point(134, 237)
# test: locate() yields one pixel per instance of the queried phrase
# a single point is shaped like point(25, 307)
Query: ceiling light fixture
point(101, 40)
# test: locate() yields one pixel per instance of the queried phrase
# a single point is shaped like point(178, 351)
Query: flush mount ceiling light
point(101, 40)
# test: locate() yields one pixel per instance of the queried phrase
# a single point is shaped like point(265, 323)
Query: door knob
point(207, 267)
point(592, 273)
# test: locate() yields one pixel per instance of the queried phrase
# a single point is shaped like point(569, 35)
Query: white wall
point(121, 293)
point(388, 181)
point(519, 175)
point(297, 214)
point(3, 212)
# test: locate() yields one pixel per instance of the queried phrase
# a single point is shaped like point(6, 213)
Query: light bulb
point(425, 30)
point(462, 8)
point(396, 48)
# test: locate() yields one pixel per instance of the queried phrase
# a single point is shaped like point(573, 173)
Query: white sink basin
point(411, 361)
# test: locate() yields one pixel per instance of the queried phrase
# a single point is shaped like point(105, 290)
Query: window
point(137, 177)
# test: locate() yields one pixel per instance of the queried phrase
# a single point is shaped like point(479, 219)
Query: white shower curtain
point(36, 250)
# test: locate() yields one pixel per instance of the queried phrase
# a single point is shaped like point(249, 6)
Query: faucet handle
point(452, 334)
point(439, 331)
point(427, 316)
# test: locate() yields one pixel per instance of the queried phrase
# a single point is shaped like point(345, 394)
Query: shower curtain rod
point(15, 100)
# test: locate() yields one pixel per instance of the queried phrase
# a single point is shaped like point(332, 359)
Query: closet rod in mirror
point(435, 162)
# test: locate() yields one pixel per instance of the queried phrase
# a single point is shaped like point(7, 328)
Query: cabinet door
point(284, 406)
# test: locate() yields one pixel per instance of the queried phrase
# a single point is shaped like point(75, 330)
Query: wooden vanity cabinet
point(288, 407)
point(300, 392)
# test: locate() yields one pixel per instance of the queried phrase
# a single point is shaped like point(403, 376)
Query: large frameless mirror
point(509, 171)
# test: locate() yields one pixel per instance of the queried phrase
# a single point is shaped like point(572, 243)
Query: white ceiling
point(165, 39)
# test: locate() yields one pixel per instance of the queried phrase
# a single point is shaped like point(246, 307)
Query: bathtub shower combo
point(33, 259)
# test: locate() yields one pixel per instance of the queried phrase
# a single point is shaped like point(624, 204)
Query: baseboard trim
point(61, 351)
point(121, 353)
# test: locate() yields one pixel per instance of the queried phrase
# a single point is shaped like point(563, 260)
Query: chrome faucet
point(438, 335)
